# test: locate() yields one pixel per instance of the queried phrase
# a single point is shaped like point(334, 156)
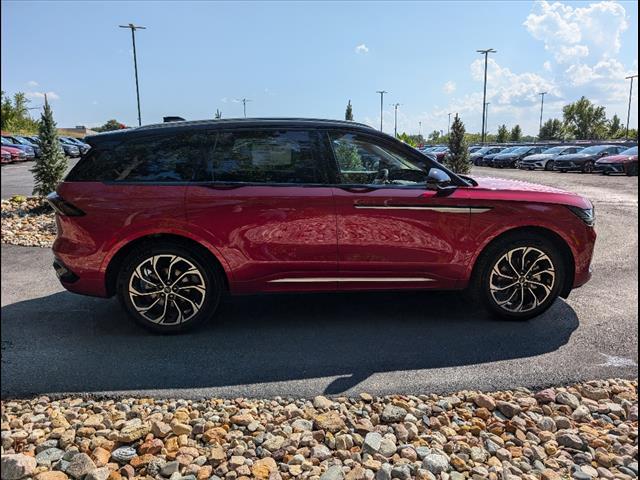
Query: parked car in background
point(585, 160)
point(487, 159)
point(439, 152)
point(69, 149)
point(511, 159)
point(546, 159)
point(477, 156)
point(15, 154)
point(83, 147)
point(29, 152)
point(22, 140)
point(290, 205)
point(474, 148)
point(624, 162)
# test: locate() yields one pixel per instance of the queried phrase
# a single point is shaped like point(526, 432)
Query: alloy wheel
point(588, 167)
point(167, 289)
point(522, 279)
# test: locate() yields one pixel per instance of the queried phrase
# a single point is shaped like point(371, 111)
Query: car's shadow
point(69, 343)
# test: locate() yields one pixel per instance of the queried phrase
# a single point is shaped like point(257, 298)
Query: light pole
point(244, 105)
point(395, 120)
point(381, 92)
point(420, 129)
point(486, 118)
point(542, 94)
point(626, 135)
point(135, 62)
point(449, 125)
point(484, 96)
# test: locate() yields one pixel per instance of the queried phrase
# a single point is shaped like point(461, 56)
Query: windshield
point(596, 149)
point(555, 150)
point(506, 150)
point(521, 150)
point(6, 141)
point(21, 140)
point(483, 150)
point(630, 151)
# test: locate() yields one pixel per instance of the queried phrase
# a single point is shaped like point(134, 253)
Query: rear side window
point(154, 159)
point(266, 156)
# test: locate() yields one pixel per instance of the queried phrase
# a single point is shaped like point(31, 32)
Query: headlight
point(587, 215)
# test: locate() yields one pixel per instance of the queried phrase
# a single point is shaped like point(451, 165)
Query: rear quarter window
point(172, 158)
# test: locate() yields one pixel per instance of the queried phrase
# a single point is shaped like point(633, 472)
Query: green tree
point(616, 129)
point(110, 125)
point(551, 130)
point(14, 114)
point(52, 164)
point(584, 120)
point(503, 134)
point(434, 137)
point(348, 114)
point(218, 114)
point(516, 134)
point(458, 157)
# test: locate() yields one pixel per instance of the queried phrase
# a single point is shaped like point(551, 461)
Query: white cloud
point(547, 66)
point(362, 49)
point(32, 83)
point(224, 99)
point(50, 95)
point(449, 87)
point(570, 33)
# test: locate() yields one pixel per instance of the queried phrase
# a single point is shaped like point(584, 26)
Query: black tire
point(205, 274)
point(588, 166)
point(632, 170)
point(480, 285)
point(563, 170)
point(549, 165)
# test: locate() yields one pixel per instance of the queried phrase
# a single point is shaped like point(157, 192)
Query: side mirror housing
point(441, 182)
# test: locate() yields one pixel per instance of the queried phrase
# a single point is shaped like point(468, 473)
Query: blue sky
point(307, 59)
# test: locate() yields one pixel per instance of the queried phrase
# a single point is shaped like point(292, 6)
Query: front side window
point(268, 156)
point(361, 160)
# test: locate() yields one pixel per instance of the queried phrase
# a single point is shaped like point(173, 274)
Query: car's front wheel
point(549, 165)
point(167, 288)
point(519, 276)
point(588, 167)
point(632, 170)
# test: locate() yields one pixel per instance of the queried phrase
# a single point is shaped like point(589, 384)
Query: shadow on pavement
point(69, 343)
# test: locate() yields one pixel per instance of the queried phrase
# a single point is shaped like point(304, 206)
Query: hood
point(503, 189)
point(576, 156)
point(538, 156)
point(6, 148)
point(617, 158)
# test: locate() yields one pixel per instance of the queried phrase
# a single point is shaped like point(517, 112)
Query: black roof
point(173, 127)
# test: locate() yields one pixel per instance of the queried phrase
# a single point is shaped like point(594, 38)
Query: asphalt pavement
point(55, 342)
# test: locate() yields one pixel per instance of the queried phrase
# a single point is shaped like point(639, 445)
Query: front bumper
point(532, 164)
point(568, 165)
point(610, 168)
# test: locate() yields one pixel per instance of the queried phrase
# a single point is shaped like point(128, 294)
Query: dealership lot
point(302, 345)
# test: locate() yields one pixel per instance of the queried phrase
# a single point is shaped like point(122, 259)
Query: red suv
point(170, 217)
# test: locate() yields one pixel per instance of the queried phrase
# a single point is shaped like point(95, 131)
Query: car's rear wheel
point(632, 170)
point(519, 276)
point(167, 288)
point(549, 165)
point(588, 167)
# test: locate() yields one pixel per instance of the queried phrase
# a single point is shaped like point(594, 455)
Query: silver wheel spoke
point(498, 289)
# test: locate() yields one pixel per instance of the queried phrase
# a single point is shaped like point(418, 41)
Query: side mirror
point(441, 182)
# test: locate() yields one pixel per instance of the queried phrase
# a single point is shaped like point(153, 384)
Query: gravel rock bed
point(25, 222)
point(589, 430)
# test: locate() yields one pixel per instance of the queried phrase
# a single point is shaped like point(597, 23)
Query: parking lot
point(302, 345)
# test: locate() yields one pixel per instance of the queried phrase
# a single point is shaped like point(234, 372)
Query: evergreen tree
point(516, 134)
point(52, 163)
point(616, 129)
point(551, 130)
point(503, 134)
point(218, 114)
point(348, 114)
point(458, 158)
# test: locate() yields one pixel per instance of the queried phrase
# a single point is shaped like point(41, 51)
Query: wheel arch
point(548, 234)
point(113, 267)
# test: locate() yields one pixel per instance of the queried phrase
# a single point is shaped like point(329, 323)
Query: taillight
point(61, 206)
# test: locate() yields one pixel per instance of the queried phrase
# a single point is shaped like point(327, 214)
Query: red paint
point(265, 233)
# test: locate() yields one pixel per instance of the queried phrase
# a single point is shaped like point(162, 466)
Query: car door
point(393, 232)
point(263, 198)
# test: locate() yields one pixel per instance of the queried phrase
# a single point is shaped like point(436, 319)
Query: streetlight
point(381, 92)
point(542, 94)
point(395, 122)
point(626, 135)
point(486, 117)
point(484, 96)
point(449, 125)
point(420, 128)
point(244, 105)
point(135, 62)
